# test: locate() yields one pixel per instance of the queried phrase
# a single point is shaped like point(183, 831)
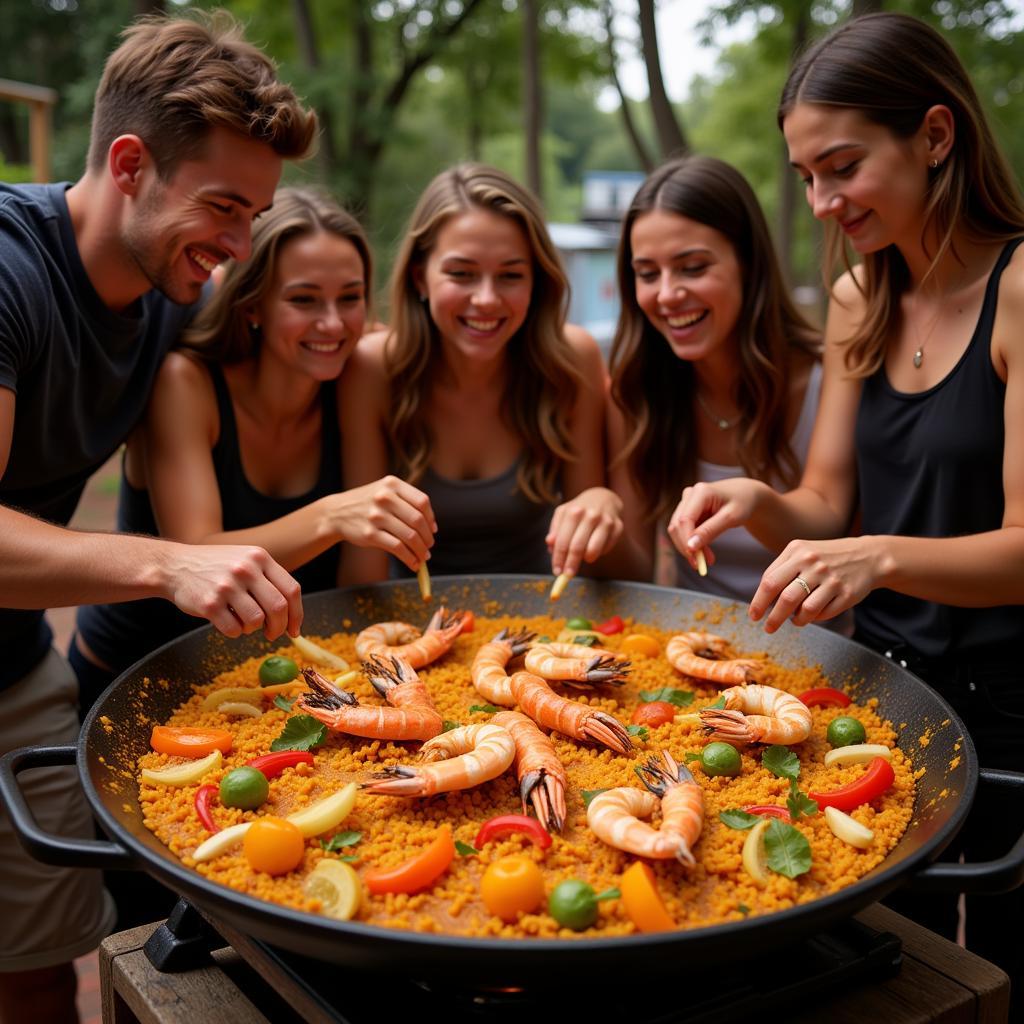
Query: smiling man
point(190, 129)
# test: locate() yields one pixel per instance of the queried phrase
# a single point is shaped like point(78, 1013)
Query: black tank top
point(120, 634)
point(930, 464)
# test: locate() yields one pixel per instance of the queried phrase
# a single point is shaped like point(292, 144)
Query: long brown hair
point(656, 390)
point(221, 332)
point(543, 381)
point(892, 68)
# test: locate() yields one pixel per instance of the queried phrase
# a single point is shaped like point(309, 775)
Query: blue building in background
point(588, 251)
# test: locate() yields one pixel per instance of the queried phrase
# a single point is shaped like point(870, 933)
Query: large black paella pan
point(106, 763)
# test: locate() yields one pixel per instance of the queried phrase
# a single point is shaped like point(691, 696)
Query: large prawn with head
point(489, 666)
point(614, 816)
point(542, 778)
point(402, 640)
point(702, 656)
point(576, 664)
point(758, 714)
point(410, 716)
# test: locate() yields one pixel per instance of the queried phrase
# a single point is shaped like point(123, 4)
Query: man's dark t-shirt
point(81, 374)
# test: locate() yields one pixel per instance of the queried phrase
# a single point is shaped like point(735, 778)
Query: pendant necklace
point(719, 421)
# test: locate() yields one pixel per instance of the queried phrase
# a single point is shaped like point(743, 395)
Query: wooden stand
point(938, 981)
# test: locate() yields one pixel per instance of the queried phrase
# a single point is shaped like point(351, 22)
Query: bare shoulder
point(367, 359)
point(184, 378)
point(587, 353)
point(1007, 335)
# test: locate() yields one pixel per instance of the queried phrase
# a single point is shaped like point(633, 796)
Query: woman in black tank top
point(922, 411)
point(241, 439)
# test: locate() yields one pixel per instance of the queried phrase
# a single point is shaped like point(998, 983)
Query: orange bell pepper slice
point(641, 899)
point(416, 873)
point(189, 741)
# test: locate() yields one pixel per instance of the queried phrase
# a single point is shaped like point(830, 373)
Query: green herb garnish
point(340, 841)
point(303, 732)
point(799, 803)
point(489, 709)
point(735, 818)
point(449, 725)
point(585, 641)
point(720, 703)
point(680, 698)
point(638, 730)
point(743, 909)
point(789, 852)
point(589, 794)
point(691, 755)
point(283, 702)
point(781, 761)
point(464, 849)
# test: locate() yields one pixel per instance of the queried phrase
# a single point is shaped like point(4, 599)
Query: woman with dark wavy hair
point(714, 371)
point(479, 393)
point(922, 422)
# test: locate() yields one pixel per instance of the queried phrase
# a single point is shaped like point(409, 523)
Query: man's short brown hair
point(172, 80)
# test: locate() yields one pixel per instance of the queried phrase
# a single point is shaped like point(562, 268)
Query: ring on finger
point(803, 583)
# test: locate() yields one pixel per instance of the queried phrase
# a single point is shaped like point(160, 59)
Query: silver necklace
point(719, 421)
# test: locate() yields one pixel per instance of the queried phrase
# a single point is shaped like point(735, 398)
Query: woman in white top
point(713, 368)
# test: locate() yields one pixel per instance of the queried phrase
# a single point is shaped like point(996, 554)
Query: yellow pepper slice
point(183, 774)
point(856, 753)
point(641, 899)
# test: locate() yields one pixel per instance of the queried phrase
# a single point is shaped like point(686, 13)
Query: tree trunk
point(787, 179)
point(531, 96)
point(306, 37)
point(643, 155)
point(671, 139)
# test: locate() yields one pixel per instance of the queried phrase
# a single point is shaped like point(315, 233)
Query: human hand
point(239, 589)
point(388, 514)
point(835, 575)
point(583, 529)
point(706, 511)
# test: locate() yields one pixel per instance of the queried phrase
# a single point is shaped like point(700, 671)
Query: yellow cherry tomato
point(273, 845)
point(642, 901)
point(512, 886)
point(640, 644)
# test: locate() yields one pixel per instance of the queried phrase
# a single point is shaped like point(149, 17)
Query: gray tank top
point(485, 526)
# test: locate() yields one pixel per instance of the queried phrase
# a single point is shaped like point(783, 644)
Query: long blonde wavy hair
point(542, 380)
point(656, 391)
point(892, 68)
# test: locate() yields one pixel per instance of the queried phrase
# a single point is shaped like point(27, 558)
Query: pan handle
point(62, 851)
point(990, 876)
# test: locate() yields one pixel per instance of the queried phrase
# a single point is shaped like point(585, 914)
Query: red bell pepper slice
point(507, 824)
point(873, 783)
point(770, 811)
point(612, 625)
point(273, 764)
point(205, 796)
point(825, 697)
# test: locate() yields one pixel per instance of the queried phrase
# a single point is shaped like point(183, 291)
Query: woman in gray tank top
point(714, 371)
point(479, 393)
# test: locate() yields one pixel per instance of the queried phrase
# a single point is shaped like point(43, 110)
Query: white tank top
point(740, 560)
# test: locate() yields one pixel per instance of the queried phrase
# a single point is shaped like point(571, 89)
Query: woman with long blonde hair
point(478, 393)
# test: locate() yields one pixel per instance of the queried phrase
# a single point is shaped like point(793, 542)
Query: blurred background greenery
point(407, 87)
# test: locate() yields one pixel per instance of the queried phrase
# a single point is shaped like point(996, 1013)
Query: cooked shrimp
point(489, 676)
point(576, 664)
point(462, 758)
point(614, 816)
point(701, 655)
point(549, 709)
point(405, 641)
point(758, 714)
point(412, 715)
point(542, 778)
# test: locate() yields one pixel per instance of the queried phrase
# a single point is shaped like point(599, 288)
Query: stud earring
point(933, 163)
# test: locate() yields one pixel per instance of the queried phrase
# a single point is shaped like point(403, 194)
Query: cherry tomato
point(610, 626)
point(512, 886)
point(825, 697)
point(468, 622)
point(640, 644)
point(873, 783)
point(416, 873)
point(273, 845)
point(189, 742)
point(655, 712)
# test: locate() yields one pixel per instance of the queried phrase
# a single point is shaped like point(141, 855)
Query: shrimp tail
point(658, 776)
point(728, 726)
point(518, 641)
point(324, 693)
point(547, 795)
point(395, 780)
point(607, 669)
point(384, 673)
point(609, 731)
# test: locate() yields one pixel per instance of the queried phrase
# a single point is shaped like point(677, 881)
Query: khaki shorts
point(50, 915)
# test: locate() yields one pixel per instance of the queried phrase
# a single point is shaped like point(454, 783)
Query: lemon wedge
point(220, 842)
point(327, 813)
point(318, 655)
point(233, 695)
point(183, 774)
point(755, 858)
point(239, 708)
point(336, 885)
point(856, 753)
point(848, 829)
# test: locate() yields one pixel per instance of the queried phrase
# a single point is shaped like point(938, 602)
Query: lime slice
point(336, 885)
